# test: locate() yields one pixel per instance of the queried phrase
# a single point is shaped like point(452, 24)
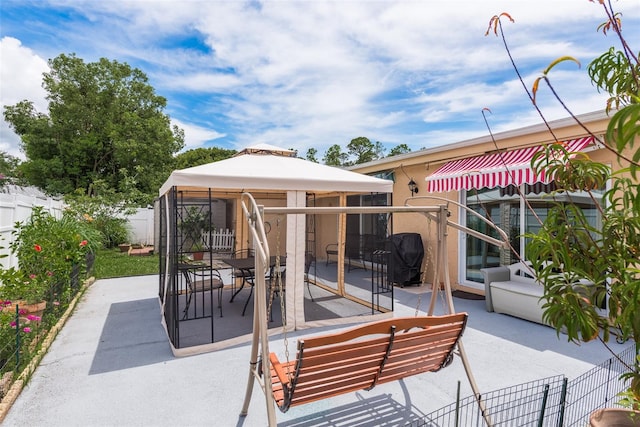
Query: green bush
point(105, 210)
point(50, 254)
point(114, 231)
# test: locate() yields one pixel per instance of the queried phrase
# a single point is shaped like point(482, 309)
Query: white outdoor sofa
point(514, 291)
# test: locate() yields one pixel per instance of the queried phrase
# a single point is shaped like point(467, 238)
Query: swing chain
point(427, 261)
point(281, 290)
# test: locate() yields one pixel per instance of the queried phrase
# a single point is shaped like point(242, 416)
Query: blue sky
point(303, 74)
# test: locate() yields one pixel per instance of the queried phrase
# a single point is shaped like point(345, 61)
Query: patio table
point(246, 268)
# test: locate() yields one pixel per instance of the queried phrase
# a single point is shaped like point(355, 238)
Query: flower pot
point(615, 417)
point(198, 256)
point(37, 309)
point(124, 247)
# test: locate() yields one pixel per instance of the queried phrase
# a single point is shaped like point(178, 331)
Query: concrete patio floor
point(111, 365)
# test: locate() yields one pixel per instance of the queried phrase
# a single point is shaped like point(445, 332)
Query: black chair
point(331, 249)
point(201, 280)
point(309, 259)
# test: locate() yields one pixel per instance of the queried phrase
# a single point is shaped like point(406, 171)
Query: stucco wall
point(419, 165)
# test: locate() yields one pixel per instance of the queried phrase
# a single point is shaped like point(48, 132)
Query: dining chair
point(200, 281)
point(309, 259)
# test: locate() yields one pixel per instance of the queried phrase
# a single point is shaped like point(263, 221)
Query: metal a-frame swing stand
point(259, 359)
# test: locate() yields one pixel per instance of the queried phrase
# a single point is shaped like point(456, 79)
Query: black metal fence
point(19, 333)
point(554, 401)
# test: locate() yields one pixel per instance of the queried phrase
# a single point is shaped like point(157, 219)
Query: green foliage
point(569, 248)
point(624, 131)
point(195, 220)
point(363, 150)
point(114, 231)
point(614, 73)
point(17, 285)
point(52, 254)
point(201, 156)
point(104, 122)
point(17, 331)
point(335, 156)
point(312, 155)
point(8, 166)
point(360, 149)
point(399, 149)
point(105, 211)
point(49, 252)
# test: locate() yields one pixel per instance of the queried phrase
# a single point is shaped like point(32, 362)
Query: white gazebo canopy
point(265, 168)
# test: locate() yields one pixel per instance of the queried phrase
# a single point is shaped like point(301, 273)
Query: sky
point(311, 74)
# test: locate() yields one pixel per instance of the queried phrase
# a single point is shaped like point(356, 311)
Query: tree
point(399, 149)
point(8, 166)
point(364, 150)
point(201, 156)
point(335, 156)
point(569, 247)
point(104, 122)
point(311, 155)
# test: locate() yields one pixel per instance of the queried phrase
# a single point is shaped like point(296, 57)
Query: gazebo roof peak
point(267, 149)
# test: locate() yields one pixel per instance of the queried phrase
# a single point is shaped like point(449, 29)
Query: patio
point(112, 365)
point(320, 304)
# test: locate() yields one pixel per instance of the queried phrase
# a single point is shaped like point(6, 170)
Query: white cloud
point(312, 74)
point(21, 76)
point(196, 136)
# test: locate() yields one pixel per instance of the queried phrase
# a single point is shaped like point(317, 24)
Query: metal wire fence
point(14, 336)
point(553, 401)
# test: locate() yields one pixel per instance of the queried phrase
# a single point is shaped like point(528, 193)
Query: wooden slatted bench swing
point(364, 356)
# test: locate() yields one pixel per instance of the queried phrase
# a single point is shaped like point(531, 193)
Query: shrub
point(105, 210)
point(50, 252)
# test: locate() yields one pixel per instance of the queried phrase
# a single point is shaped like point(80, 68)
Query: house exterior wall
point(419, 165)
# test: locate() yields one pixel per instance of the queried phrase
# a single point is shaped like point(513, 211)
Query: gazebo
point(275, 177)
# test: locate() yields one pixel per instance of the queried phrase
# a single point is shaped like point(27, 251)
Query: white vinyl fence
point(141, 226)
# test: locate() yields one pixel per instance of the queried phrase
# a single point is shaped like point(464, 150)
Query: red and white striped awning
point(499, 169)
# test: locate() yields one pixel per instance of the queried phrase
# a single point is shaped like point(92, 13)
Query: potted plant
point(571, 246)
point(28, 291)
point(194, 223)
point(614, 417)
point(124, 247)
point(197, 250)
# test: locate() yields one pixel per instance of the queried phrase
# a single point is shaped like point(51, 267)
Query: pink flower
point(22, 312)
point(13, 324)
point(83, 243)
point(56, 303)
point(27, 329)
point(38, 248)
point(33, 318)
point(32, 276)
point(49, 273)
point(7, 302)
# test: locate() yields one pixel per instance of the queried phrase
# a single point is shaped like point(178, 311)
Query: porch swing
point(361, 357)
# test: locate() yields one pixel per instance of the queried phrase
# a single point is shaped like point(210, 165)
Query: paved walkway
point(111, 365)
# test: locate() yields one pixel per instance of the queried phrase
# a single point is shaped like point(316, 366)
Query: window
point(506, 208)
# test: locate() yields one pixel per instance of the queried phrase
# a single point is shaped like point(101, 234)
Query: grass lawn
point(113, 263)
